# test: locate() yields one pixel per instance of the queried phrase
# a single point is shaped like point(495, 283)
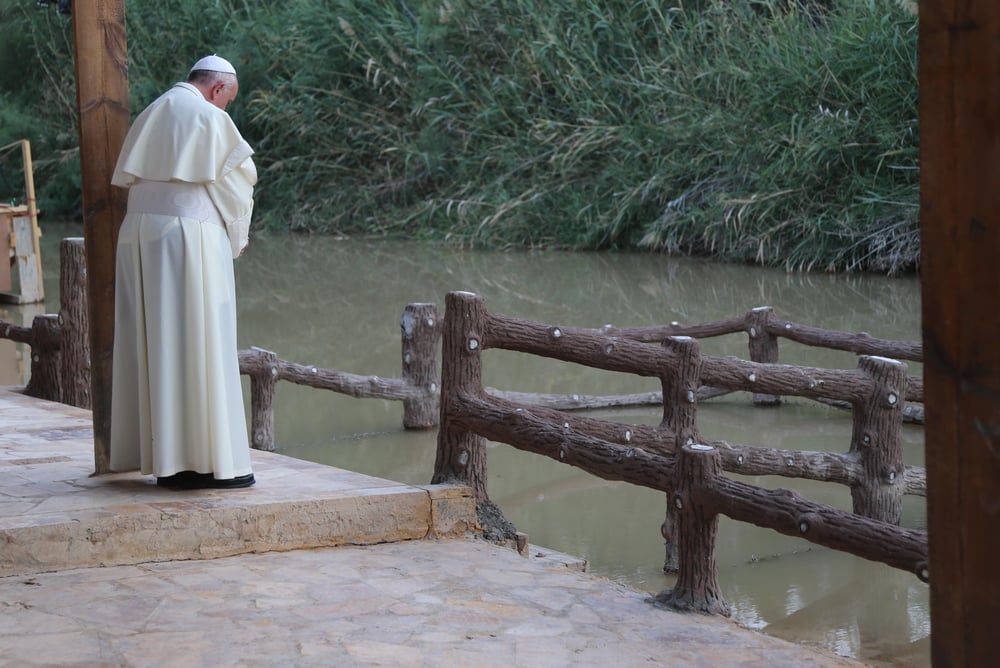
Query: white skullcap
point(214, 64)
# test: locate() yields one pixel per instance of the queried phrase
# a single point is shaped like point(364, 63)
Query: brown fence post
point(461, 453)
point(74, 323)
point(420, 332)
point(46, 358)
point(877, 441)
point(763, 347)
point(697, 587)
point(680, 390)
point(263, 387)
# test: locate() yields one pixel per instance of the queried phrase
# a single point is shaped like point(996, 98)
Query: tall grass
point(781, 132)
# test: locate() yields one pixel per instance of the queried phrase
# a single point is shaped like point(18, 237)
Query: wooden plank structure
point(960, 206)
point(960, 227)
point(103, 107)
point(19, 241)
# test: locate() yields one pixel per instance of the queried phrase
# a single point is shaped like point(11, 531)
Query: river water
point(336, 303)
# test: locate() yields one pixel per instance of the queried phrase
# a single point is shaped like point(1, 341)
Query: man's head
point(215, 77)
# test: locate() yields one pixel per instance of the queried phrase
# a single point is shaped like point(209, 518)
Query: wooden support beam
point(960, 240)
point(103, 106)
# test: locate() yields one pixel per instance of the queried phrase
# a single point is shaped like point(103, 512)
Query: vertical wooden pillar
point(763, 347)
point(461, 453)
point(103, 106)
point(74, 323)
point(680, 404)
point(420, 332)
point(960, 243)
point(46, 359)
point(877, 441)
point(697, 587)
point(263, 388)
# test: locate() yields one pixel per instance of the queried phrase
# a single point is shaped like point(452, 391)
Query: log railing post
point(697, 587)
point(74, 323)
point(763, 347)
point(461, 452)
point(877, 441)
point(46, 358)
point(263, 387)
point(680, 390)
point(420, 332)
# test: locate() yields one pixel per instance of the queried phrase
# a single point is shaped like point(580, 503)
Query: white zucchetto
point(215, 64)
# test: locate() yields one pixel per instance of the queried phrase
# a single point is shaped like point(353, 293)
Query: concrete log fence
point(648, 456)
point(417, 388)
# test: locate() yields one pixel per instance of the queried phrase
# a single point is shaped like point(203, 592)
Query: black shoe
point(185, 480)
point(233, 483)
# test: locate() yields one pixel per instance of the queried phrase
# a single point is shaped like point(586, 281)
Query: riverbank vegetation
point(781, 132)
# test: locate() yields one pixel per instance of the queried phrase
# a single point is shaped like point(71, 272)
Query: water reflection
point(337, 304)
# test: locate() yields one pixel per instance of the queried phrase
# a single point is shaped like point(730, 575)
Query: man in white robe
point(177, 402)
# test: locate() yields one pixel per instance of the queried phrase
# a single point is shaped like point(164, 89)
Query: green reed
point(782, 132)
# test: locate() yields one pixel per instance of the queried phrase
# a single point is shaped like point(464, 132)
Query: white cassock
point(177, 401)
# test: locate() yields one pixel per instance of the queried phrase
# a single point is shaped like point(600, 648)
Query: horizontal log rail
point(781, 510)
point(671, 457)
point(593, 348)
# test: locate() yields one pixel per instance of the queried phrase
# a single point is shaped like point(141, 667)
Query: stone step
point(55, 514)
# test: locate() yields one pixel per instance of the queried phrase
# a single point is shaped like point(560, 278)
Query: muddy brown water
point(336, 303)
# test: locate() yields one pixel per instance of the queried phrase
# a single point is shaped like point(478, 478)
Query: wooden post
point(959, 64)
point(461, 452)
point(680, 391)
point(73, 323)
point(46, 359)
point(420, 332)
point(263, 388)
point(103, 106)
point(697, 587)
point(877, 441)
point(763, 347)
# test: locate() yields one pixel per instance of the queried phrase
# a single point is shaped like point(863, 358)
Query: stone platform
point(313, 566)
point(54, 514)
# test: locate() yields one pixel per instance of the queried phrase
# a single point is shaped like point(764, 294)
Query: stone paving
point(313, 566)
